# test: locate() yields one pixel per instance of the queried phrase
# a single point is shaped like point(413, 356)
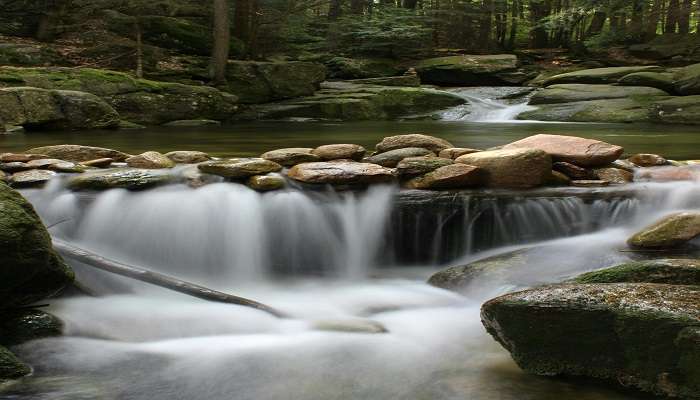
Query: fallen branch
point(158, 279)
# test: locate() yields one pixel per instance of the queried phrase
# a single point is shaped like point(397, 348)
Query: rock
point(568, 93)
point(558, 179)
point(647, 160)
point(634, 109)
point(124, 124)
point(341, 173)
point(56, 165)
point(659, 80)
point(675, 110)
point(453, 176)
point(193, 123)
point(470, 70)
point(431, 143)
point(671, 231)
point(355, 325)
point(17, 327)
point(614, 175)
point(636, 334)
point(35, 108)
point(188, 157)
point(10, 366)
point(354, 68)
point(589, 183)
point(3, 177)
point(669, 174)
point(512, 168)
point(124, 178)
point(403, 80)
point(261, 82)
point(31, 178)
point(494, 268)
point(77, 153)
point(668, 271)
point(454, 152)
point(687, 80)
point(598, 75)
point(98, 163)
point(196, 178)
point(579, 151)
point(14, 166)
point(266, 183)
point(31, 270)
point(13, 157)
point(150, 160)
point(340, 152)
point(239, 168)
point(572, 171)
point(392, 157)
point(291, 156)
point(623, 164)
point(413, 166)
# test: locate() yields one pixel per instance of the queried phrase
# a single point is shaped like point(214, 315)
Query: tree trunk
point(653, 17)
point(334, 10)
point(539, 9)
point(485, 23)
point(139, 50)
point(636, 24)
point(241, 20)
point(222, 42)
point(672, 14)
point(168, 282)
point(357, 7)
point(410, 4)
point(513, 24)
point(597, 23)
point(684, 16)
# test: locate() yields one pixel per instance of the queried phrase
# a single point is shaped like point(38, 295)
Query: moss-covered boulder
point(671, 231)
point(640, 335)
point(122, 178)
point(598, 75)
point(403, 80)
point(10, 366)
point(19, 326)
point(659, 80)
point(358, 68)
point(573, 92)
point(29, 55)
point(627, 110)
point(30, 270)
point(687, 80)
point(137, 100)
point(670, 271)
point(261, 82)
point(471, 70)
point(676, 110)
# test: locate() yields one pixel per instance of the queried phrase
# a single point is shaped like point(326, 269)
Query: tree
point(222, 42)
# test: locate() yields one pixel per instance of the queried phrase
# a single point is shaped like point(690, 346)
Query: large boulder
point(122, 178)
point(579, 151)
point(659, 80)
point(673, 230)
point(598, 75)
point(687, 80)
point(676, 110)
point(448, 177)
point(432, 143)
point(341, 173)
point(239, 168)
point(629, 110)
point(261, 82)
point(572, 92)
point(78, 153)
point(517, 168)
point(356, 68)
point(639, 335)
point(470, 70)
point(676, 271)
point(30, 270)
point(35, 108)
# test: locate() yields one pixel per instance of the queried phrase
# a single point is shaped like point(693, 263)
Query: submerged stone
point(672, 231)
point(349, 326)
point(10, 366)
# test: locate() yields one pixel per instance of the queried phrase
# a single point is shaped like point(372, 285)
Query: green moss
point(672, 271)
point(10, 366)
point(19, 326)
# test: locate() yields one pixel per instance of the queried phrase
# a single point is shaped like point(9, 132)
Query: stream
point(343, 259)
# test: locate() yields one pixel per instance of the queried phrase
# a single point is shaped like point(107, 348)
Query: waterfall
point(490, 104)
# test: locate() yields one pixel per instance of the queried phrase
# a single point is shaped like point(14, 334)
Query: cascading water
point(149, 344)
point(489, 104)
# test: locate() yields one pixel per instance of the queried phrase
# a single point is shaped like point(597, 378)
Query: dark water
point(675, 142)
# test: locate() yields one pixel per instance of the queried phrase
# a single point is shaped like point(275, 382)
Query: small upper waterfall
point(489, 104)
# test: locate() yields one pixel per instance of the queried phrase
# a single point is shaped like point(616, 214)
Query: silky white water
point(315, 256)
point(489, 104)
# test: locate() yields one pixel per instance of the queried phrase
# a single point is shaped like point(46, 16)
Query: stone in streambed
point(77, 153)
point(672, 231)
point(614, 175)
point(124, 178)
point(341, 173)
point(266, 183)
point(98, 163)
point(349, 326)
point(189, 123)
point(640, 335)
point(598, 75)
point(413, 166)
point(511, 168)
point(19, 326)
point(392, 157)
point(340, 152)
point(239, 168)
point(31, 178)
point(14, 157)
point(558, 179)
point(669, 174)
point(14, 166)
point(431, 143)
point(570, 93)
point(647, 160)
point(150, 160)
point(57, 165)
point(10, 366)
point(668, 271)
point(572, 171)
point(188, 157)
point(291, 156)
point(452, 176)
point(590, 183)
point(454, 152)
point(575, 150)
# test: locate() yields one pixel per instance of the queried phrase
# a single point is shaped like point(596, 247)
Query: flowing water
point(322, 257)
point(490, 104)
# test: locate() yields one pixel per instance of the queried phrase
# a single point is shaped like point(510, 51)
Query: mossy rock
point(634, 109)
point(359, 68)
point(29, 55)
point(660, 80)
point(19, 326)
point(31, 270)
point(639, 335)
point(676, 110)
point(574, 92)
point(10, 366)
point(598, 76)
point(470, 70)
point(671, 231)
point(669, 271)
point(260, 82)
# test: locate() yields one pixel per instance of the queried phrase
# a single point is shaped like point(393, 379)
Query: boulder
point(471, 70)
point(98, 163)
point(413, 166)
point(568, 93)
point(403, 80)
point(57, 165)
point(188, 157)
point(598, 76)
point(19, 157)
point(392, 157)
point(356, 68)
point(669, 174)
point(261, 82)
point(668, 271)
point(291, 156)
point(10, 366)
point(454, 152)
point(448, 177)
point(687, 80)
point(671, 231)
point(431, 143)
point(629, 110)
point(614, 175)
point(266, 183)
point(31, 178)
point(341, 173)
point(675, 110)
point(123, 178)
point(639, 335)
point(647, 160)
point(572, 171)
point(30, 269)
point(19, 326)
point(558, 179)
point(14, 166)
point(190, 123)
point(579, 151)
point(239, 168)
point(150, 160)
point(589, 182)
point(340, 152)
point(516, 168)
point(77, 153)
point(659, 80)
